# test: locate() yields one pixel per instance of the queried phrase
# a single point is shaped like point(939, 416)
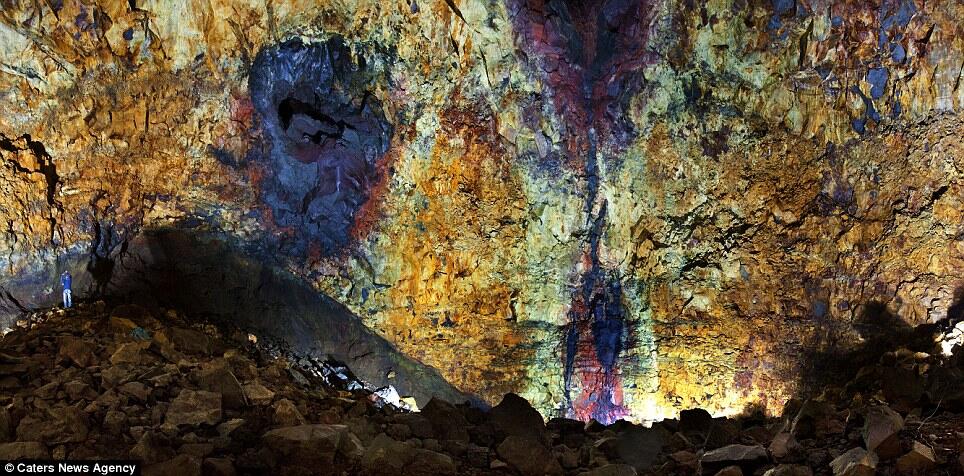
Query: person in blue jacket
point(65, 282)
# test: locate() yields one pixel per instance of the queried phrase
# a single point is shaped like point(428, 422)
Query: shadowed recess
point(324, 132)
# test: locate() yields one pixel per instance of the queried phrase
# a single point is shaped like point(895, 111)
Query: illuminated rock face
point(602, 44)
point(616, 208)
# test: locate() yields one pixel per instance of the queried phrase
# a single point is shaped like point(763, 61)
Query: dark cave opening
point(324, 136)
point(318, 126)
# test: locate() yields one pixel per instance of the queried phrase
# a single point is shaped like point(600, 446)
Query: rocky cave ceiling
point(618, 209)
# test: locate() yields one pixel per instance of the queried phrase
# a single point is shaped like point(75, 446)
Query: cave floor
point(183, 396)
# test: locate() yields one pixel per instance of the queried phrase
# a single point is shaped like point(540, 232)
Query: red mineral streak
point(371, 212)
point(241, 110)
point(600, 393)
point(586, 59)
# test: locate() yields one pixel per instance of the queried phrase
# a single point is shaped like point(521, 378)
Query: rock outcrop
point(614, 208)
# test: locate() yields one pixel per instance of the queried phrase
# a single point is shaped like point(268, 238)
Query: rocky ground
point(188, 398)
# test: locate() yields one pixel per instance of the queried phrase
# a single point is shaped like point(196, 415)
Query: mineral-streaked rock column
point(618, 208)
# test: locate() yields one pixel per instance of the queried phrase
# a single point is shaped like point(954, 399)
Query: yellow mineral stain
point(458, 245)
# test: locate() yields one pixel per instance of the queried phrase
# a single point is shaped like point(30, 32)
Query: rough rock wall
point(618, 208)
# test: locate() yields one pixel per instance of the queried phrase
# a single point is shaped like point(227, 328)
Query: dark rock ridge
point(187, 396)
point(205, 276)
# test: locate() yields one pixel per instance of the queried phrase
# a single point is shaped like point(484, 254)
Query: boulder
point(730, 471)
point(11, 366)
point(456, 448)
point(115, 421)
point(418, 425)
point(696, 420)
point(815, 418)
point(181, 465)
point(567, 457)
point(785, 447)
point(227, 428)
point(217, 377)
point(200, 450)
point(365, 429)
point(919, 460)
point(187, 341)
point(107, 400)
point(758, 434)
point(818, 457)
point(902, 386)
point(515, 416)
point(856, 462)
point(602, 449)
point(243, 367)
point(23, 450)
point(307, 446)
point(130, 353)
point(613, 470)
point(678, 442)
point(56, 426)
point(385, 456)
point(447, 421)
point(637, 446)
point(78, 390)
point(399, 431)
point(194, 407)
point(6, 424)
point(351, 446)
point(745, 456)
point(258, 394)
point(115, 375)
point(880, 431)
point(721, 433)
point(528, 456)
point(430, 463)
point(476, 456)
point(77, 351)
point(136, 390)
point(285, 413)
point(686, 459)
point(789, 470)
point(151, 448)
point(48, 391)
point(571, 433)
point(218, 467)
point(121, 325)
point(263, 461)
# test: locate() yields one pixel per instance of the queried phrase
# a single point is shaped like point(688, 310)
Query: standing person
point(65, 282)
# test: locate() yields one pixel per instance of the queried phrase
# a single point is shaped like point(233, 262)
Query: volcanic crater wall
point(617, 208)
